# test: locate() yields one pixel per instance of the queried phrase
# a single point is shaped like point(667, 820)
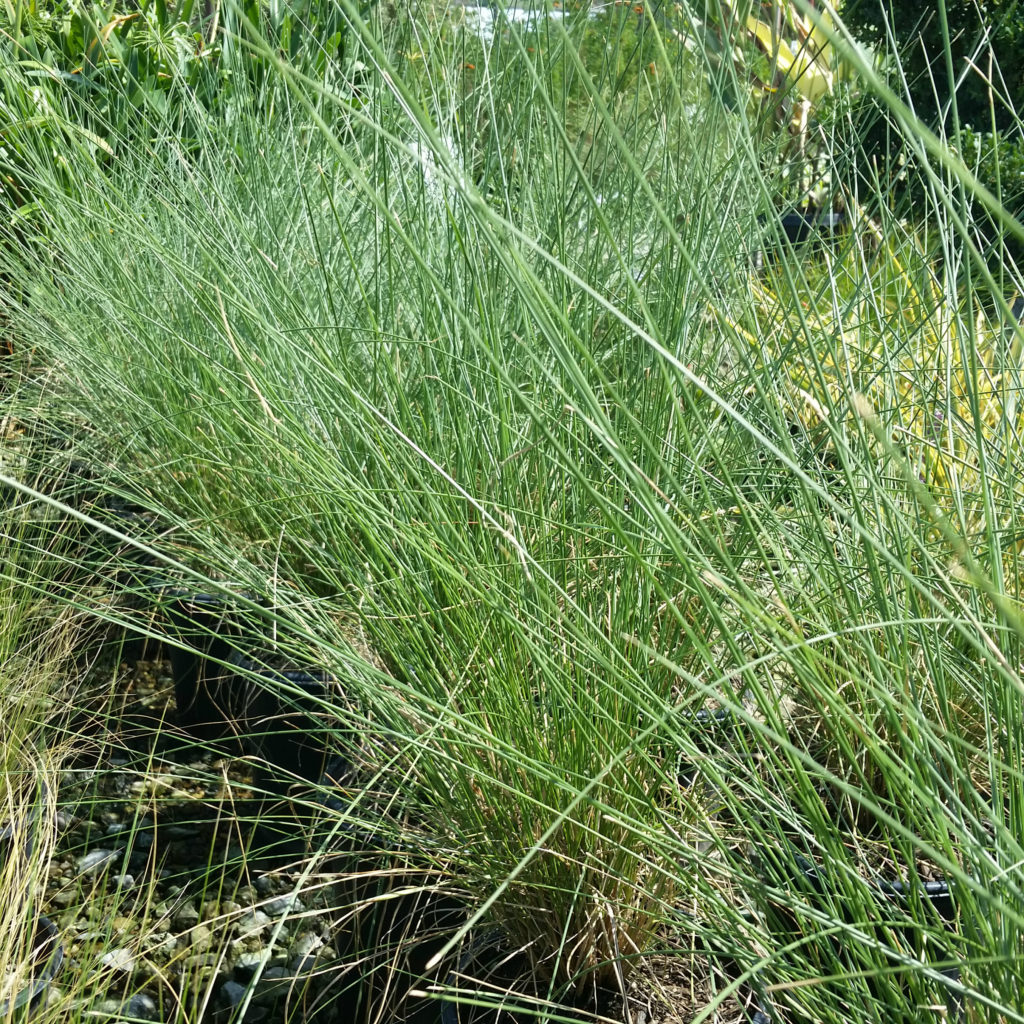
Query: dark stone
point(264, 884)
point(231, 993)
point(245, 970)
point(303, 964)
point(231, 997)
point(276, 983)
point(141, 1007)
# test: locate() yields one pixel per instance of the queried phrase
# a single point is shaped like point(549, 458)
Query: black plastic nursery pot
point(711, 727)
point(498, 987)
point(811, 885)
point(807, 226)
point(208, 633)
point(396, 926)
point(232, 691)
point(486, 971)
point(493, 982)
point(228, 687)
point(281, 710)
point(46, 957)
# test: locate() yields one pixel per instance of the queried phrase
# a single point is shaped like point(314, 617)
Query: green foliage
point(980, 45)
point(964, 80)
point(150, 74)
point(775, 64)
point(130, 76)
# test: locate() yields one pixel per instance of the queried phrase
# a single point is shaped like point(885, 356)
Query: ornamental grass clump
point(454, 490)
point(508, 439)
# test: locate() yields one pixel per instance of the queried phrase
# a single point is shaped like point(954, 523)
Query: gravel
point(186, 916)
point(283, 905)
point(150, 886)
point(141, 1007)
point(138, 1007)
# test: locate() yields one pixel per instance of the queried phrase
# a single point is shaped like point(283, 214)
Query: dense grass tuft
point(457, 381)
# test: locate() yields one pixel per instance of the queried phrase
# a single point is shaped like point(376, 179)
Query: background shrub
point(975, 107)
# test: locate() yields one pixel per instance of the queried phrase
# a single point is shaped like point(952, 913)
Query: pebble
point(123, 881)
point(272, 974)
point(283, 905)
point(186, 916)
point(138, 1007)
point(166, 944)
point(231, 996)
point(91, 862)
point(138, 861)
point(248, 964)
point(306, 943)
point(265, 885)
point(79, 777)
point(231, 993)
point(200, 936)
point(160, 785)
point(275, 983)
point(118, 960)
point(303, 964)
point(142, 1007)
point(86, 827)
point(252, 921)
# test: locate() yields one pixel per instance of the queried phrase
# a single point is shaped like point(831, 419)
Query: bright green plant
point(125, 71)
point(776, 62)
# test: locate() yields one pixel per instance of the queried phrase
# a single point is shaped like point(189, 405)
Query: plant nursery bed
point(156, 892)
point(158, 899)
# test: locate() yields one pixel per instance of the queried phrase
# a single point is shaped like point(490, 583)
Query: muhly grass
point(516, 447)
